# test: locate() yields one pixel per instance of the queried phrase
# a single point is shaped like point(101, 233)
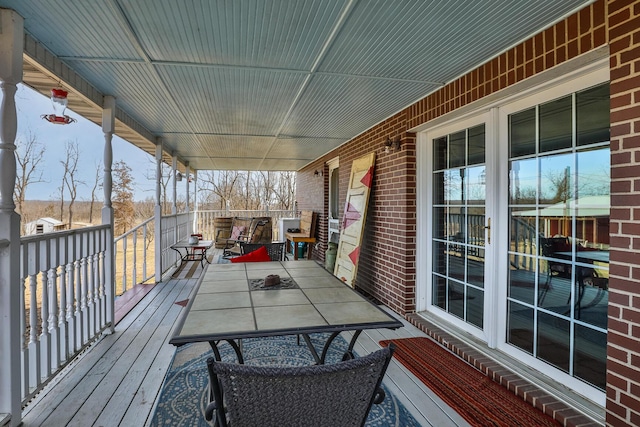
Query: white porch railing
point(67, 287)
point(134, 256)
point(63, 300)
point(173, 228)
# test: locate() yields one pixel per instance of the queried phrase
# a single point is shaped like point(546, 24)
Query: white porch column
point(11, 47)
point(186, 209)
point(195, 201)
point(158, 213)
point(174, 169)
point(108, 127)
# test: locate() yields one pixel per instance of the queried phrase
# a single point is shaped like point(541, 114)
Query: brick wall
point(623, 355)
point(387, 259)
point(387, 265)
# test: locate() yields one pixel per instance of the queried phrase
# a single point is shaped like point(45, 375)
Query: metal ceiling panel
point(77, 28)
point(255, 33)
point(236, 101)
point(434, 41)
point(303, 148)
point(340, 107)
point(255, 84)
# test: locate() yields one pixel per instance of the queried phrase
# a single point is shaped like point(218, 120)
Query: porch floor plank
point(425, 406)
point(116, 382)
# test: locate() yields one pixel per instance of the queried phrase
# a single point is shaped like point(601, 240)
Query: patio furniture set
point(226, 307)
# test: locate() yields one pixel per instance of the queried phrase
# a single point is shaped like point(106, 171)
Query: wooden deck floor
point(116, 382)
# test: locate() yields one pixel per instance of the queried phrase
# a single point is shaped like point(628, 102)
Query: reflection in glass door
point(458, 215)
point(559, 177)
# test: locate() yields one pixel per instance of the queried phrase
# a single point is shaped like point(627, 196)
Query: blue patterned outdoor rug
point(185, 394)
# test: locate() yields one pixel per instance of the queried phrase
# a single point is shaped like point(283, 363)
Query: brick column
point(623, 350)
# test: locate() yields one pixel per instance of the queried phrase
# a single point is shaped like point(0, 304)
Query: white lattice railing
point(65, 299)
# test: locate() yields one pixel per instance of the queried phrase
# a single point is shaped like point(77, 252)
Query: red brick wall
point(387, 265)
point(387, 260)
point(623, 361)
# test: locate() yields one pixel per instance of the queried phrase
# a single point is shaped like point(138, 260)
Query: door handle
point(488, 228)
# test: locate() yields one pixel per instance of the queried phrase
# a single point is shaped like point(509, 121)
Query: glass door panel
point(559, 175)
point(458, 224)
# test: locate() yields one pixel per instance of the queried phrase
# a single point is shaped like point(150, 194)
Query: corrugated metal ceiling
point(266, 84)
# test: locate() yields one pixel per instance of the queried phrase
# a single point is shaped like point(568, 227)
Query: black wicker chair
point(336, 395)
point(275, 250)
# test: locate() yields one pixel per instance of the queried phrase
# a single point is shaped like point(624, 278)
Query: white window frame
point(581, 73)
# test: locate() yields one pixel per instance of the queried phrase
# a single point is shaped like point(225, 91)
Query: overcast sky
point(31, 105)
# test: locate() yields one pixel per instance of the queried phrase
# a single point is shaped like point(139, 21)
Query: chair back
point(275, 250)
point(337, 395)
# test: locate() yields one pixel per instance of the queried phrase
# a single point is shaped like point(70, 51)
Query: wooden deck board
point(426, 407)
point(117, 381)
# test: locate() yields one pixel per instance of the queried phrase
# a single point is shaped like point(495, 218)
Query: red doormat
point(478, 399)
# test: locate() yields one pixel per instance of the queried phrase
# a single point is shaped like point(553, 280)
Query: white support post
point(158, 212)
point(11, 47)
point(186, 209)
point(195, 201)
point(174, 169)
point(108, 128)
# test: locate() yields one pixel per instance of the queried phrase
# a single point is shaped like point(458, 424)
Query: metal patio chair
point(276, 250)
point(337, 395)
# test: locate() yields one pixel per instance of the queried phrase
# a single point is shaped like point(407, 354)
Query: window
point(559, 176)
point(334, 194)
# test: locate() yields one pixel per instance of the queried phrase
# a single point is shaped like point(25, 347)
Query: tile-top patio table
point(232, 303)
point(190, 250)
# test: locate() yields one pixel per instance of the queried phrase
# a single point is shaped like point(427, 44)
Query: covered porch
point(303, 86)
point(117, 381)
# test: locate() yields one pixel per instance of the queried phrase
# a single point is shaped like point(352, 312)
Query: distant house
point(44, 225)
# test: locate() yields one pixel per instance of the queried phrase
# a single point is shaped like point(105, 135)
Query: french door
point(459, 239)
point(513, 227)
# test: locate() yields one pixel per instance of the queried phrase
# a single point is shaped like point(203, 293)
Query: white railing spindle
point(63, 282)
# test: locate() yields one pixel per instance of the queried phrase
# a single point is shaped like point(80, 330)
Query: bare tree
point(123, 206)
point(97, 184)
point(285, 189)
point(166, 172)
point(61, 193)
point(29, 154)
point(70, 179)
point(223, 184)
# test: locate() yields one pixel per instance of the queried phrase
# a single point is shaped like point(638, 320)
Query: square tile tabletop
point(224, 306)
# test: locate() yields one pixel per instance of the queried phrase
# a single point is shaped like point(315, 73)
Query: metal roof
point(263, 84)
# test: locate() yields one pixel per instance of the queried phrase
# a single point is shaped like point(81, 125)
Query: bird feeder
point(59, 101)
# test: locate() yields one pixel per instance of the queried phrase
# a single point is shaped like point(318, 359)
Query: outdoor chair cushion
point(237, 231)
point(259, 255)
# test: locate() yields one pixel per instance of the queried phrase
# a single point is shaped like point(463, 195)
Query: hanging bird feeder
point(59, 101)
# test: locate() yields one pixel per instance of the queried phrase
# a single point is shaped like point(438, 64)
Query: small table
point(300, 238)
point(190, 250)
point(229, 305)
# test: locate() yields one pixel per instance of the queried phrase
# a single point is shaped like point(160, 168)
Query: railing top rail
point(134, 229)
point(176, 215)
point(63, 233)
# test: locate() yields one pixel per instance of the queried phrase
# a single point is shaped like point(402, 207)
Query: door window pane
point(523, 182)
point(592, 115)
point(439, 153)
point(559, 233)
point(476, 145)
point(459, 199)
point(522, 133)
point(555, 124)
